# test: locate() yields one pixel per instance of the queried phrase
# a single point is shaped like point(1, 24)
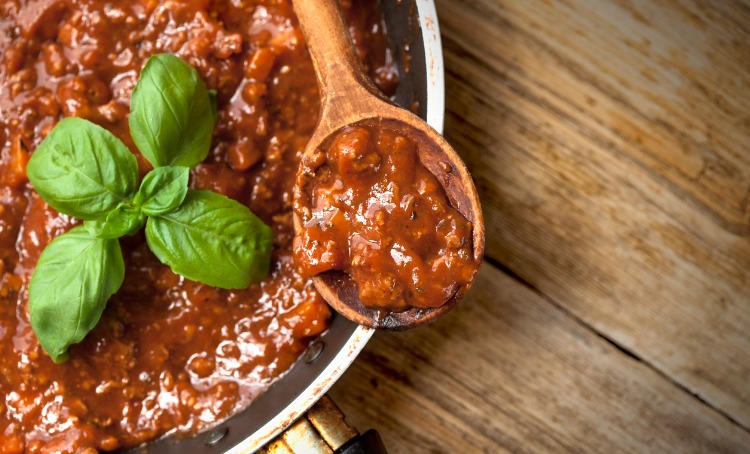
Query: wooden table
point(610, 141)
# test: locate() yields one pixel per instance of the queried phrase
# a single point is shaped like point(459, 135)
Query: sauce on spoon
point(371, 209)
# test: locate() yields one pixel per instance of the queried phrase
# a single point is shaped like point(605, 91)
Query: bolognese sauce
point(169, 355)
point(370, 208)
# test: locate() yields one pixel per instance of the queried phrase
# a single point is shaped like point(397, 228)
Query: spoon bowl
point(349, 97)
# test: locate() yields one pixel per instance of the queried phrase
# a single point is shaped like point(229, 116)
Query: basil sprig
point(84, 171)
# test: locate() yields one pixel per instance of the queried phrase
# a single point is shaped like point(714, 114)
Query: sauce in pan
point(169, 355)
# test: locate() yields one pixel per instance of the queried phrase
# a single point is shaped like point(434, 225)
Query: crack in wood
point(622, 349)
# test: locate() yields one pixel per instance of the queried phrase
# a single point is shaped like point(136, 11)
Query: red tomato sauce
point(169, 355)
point(369, 207)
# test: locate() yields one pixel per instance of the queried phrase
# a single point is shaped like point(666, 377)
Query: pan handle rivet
point(216, 436)
point(313, 351)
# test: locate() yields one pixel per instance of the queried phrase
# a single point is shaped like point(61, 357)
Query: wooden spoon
point(348, 97)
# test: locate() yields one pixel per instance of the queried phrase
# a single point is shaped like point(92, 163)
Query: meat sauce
point(169, 355)
point(370, 208)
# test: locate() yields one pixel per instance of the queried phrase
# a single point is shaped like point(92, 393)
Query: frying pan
point(414, 39)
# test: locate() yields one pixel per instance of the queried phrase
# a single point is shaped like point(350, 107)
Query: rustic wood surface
point(610, 143)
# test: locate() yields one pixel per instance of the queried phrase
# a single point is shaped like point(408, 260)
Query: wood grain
point(610, 143)
point(507, 371)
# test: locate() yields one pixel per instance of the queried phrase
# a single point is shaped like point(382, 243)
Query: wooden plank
point(610, 142)
point(509, 371)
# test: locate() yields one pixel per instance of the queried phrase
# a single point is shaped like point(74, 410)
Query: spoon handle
point(338, 67)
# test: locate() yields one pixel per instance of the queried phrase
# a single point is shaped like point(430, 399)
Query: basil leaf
point(123, 220)
point(75, 276)
point(162, 190)
point(82, 170)
point(212, 239)
point(171, 120)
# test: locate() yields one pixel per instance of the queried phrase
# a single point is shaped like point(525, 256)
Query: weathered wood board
point(509, 371)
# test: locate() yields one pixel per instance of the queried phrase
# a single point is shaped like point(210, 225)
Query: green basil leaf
point(82, 170)
point(75, 276)
point(162, 190)
point(123, 220)
point(171, 120)
point(212, 239)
